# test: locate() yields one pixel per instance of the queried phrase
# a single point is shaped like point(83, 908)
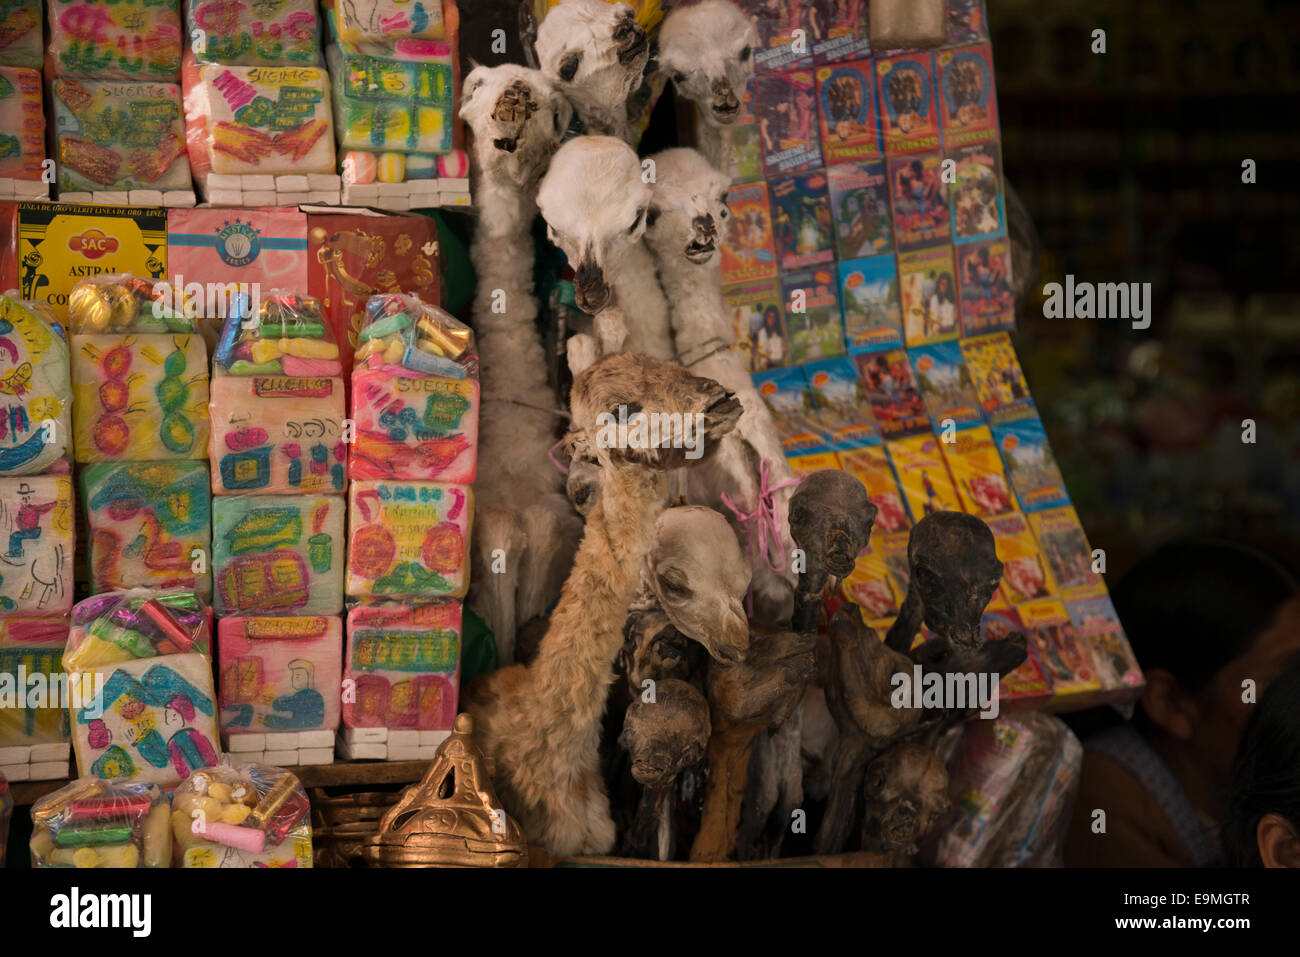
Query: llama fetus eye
point(744, 53)
point(679, 77)
point(569, 67)
point(636, 222)
point(651, 216)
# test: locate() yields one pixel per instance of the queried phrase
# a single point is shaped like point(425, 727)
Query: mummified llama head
point(594, 203)
point(708, 52)
point(688, 212)
point(517, 116)
point(595, 53)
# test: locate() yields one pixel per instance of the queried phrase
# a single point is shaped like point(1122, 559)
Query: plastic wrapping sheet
point(35, 392)
point(21, 39)
point(241, 815)
point(115, 39)
point(278, 554)
point(280, 674)
point(149, 525)
point(403, 663)
point(388, 20)
point(22, 123)
point(95, 823)
point(408, 540)
point(398, 98)
point(31, 646)
point(115, 135)
point(266, 33)
point(135, 624)
point(37, 537)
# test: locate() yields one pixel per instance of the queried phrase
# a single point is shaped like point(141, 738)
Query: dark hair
point(1193, 605)
point(1266, 774)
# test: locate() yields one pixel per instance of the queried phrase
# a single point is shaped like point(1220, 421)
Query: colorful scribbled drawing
point(35, 392)
point(275, 554)
point(419, 428)
point(140, 397)
point(278, 434)
point(35, 645)
point(155, 720)
point(150, 525)
point(405, 663)
point(280, 674)
point(408, 539)
point(36, 545)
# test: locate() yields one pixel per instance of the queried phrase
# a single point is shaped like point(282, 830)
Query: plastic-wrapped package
point(278, 405)
point(22, 123)
point(408, 540)
point(31, 646)
point(37, 535)
point(138, 623)
point(140, 661)
point(280, 674)
point(139, 373)
point(398, 98)
point(278, 554)
point(116, 39)
point(241, 815)
point(267, 33)
point(356, 21)
point(95, 823)
point(35, 392)
point(149, 525)
point(21, 42)
point(249, 120)
point(1012, 781)
point(405, 663)
point(411, 424)
point(115, 135)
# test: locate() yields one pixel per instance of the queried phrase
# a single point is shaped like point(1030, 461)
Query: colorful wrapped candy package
point(267, 33)
point(36, 545)
point(144, 657)
point(279, 680)
point(387, 20)
point(408, 540)
point(397, 98)
point(278, 401)
point(403, 664)
point(34, 735)
point(139, 374)
point(251, 120)
point(94, 823)
point(22, 133)
point(149, 524)
point(278, 555)
point(120, 136)
point(20, 34)
point(116, 39)
point(241, 815)
point(415, 394)
point(35, 392)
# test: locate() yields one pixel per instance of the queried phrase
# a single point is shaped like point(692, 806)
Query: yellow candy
point(392, 167)
point(394, 351)
point(86, 857)
point(371, 347)
point(181, 830)
point(42, 844)
point(157, 837)
point(94, 653)
point(235, 813)
point(266, 350)
point(220, 792)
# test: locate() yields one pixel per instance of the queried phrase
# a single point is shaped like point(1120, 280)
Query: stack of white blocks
point(386, 744)
point(134, 197)
point(265, 189)
point(283, 749)
point(35, 762)
point(31, 190)
point(411, 194)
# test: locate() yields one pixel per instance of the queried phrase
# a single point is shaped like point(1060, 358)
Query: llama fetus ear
point(569, 66)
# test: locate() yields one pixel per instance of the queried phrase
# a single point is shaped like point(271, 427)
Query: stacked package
point(394, 71)
point(141, 662)
point(241, 815)
point(116, 104)
point(21, 41)
point(260, 135)
point(95, 823)
point(139, 373)
point(22, 132)
point(37, 537)
point(415, 407)
point(279, 448)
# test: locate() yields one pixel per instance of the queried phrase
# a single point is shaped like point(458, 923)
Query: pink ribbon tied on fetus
point(762, 527)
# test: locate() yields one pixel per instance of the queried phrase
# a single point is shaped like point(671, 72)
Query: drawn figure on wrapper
point(33, 555)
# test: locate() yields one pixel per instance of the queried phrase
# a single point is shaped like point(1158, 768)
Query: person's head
point(1203, 616)
point(771, 321)
point(945, 286)
point(1261, 827)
